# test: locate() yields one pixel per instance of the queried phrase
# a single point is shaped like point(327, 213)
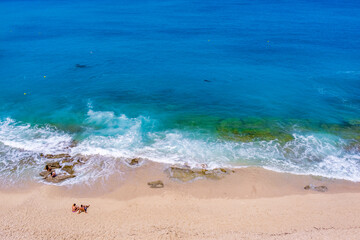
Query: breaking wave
point(109, 138)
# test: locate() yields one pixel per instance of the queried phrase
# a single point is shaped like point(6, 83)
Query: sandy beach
point(176, 119)
point(250, 203)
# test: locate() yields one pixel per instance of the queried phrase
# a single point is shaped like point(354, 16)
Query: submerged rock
point(198, 121)
point(186, 174)
point(354, 122)
point(316, 188)
point(80, 66)
point(345, 130)
point(156, 184)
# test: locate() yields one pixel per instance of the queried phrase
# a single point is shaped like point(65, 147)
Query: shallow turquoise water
point(265, 83)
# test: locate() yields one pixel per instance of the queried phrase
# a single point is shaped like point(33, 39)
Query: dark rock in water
point(54, 164)
point(58, 178)
point(187, 174)
point(316, 188)
point(205, 80)
point(68, 168)
point(156, 184)
point(44, 173)
point(80, 66)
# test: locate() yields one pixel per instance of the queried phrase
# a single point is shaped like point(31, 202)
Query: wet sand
point(250, 203)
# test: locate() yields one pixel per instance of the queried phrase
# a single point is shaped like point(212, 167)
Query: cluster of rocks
point(186, 174)
point(62, 164)
point(316, 188)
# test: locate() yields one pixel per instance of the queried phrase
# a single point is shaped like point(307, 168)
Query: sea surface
point(270, 83)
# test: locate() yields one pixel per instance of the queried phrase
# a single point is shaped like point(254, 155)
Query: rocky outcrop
point(186, 174)
point(55, 156)
point(63, 166)
point(316, 188)
point(59, 178)
point(54, 164)
point(44, 174)
point(156, 184)
point(134, 161)
point(69, 169)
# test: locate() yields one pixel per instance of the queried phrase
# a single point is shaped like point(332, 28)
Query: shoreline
point(278, 183)
point(250, 203)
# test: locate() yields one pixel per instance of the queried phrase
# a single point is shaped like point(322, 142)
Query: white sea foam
point(110, 138)
point(33, 138)
point(320, 155)
point(20, 146)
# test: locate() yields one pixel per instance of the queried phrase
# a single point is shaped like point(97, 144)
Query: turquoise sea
point(230, 83)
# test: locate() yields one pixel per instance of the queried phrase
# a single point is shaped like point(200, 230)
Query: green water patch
point(349, 130)
point(267, 129)
point(346, 131)
point(198, 122)
point(253, 129)
point(235, 129)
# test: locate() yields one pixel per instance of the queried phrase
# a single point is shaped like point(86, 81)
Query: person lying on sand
point(75, 208)
point(83, 208)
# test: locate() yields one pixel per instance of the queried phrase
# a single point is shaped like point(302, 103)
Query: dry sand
point(251, 203)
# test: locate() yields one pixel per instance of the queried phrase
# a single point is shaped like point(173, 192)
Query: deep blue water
point(182, 82)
